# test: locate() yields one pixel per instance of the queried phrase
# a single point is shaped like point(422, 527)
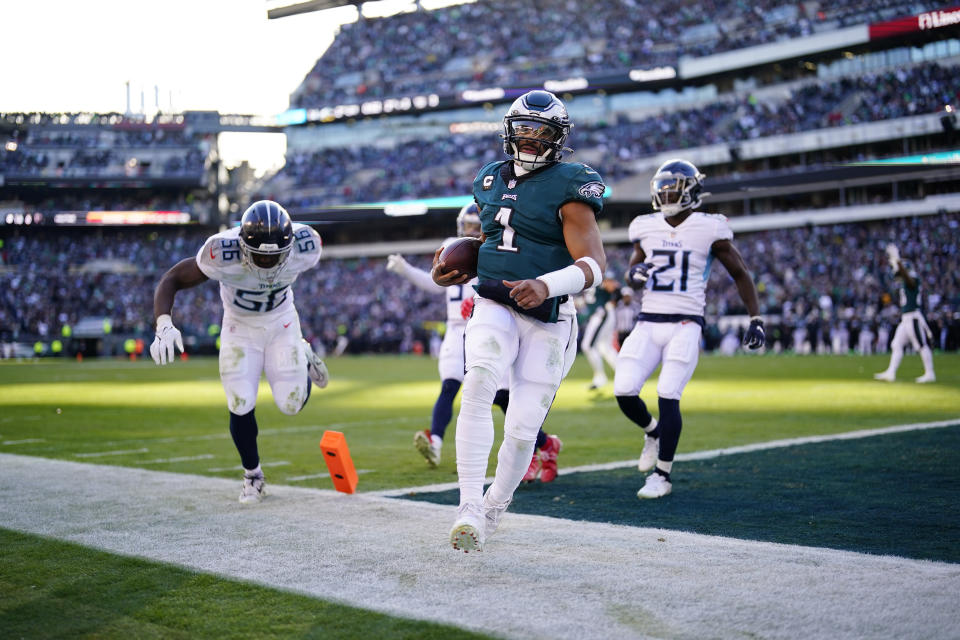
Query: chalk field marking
point(238, 467)
point(707, 455)
point(24, 441)
point(581, 579)
point(221, 435)
point(100, 454)
point(202, 456)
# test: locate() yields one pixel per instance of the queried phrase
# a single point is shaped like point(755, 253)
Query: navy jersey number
point(305, 241)
point(230, 250)
point(260, 300)
point(660, 272)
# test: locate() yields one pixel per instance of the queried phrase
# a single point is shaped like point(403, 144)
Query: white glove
point(167, 336)
point(893, 256)
point(396, 263)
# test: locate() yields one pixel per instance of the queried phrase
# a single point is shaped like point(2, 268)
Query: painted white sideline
point(538, 577)
point(705, 455)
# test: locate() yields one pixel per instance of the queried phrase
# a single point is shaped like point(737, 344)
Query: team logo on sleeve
point(592, 190)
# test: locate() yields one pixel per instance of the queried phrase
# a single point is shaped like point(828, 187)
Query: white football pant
point(597, 343)
point(273, 346)
point(912, 330)
point(675, 344)
point(539, 355)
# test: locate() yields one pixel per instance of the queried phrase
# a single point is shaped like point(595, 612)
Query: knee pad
point(479, 385)
point(626, 378)
point(289, 397)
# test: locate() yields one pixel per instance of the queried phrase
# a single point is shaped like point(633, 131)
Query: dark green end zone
point(893, 494)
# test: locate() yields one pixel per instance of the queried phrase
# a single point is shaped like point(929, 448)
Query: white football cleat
point(467, 532)
point(656, 486)
point(423, 441)
point(886, 376)
point(650, 453)
point(927, 377)
point(492, 513)
point(315, 367)
point(253, 489)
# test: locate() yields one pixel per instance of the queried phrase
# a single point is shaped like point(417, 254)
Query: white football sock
point(926, 355)
point(512, 463)
point(475, 432)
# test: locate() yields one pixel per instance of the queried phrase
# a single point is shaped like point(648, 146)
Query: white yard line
point(538, 577)
point(100, 454)
point(704, 455)
point(25, 441)
point(202, 456)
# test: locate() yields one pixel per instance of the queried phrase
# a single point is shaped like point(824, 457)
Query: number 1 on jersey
point(506, 239)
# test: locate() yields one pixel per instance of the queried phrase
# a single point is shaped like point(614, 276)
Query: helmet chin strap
point(529, 161)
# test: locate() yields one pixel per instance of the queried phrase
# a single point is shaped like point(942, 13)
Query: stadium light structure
point(309, 7)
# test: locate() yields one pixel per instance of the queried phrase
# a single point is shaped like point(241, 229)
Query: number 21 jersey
point(242, 292)
point(682, 258)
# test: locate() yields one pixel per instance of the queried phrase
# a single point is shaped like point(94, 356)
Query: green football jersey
point(520, 216)
point(910, 297)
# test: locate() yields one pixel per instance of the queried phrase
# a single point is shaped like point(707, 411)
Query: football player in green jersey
point(913, 327)
point(541, 245)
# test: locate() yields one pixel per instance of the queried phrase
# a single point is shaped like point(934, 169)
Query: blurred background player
point(597, 341)
point(672, 252)
point(626, 313)
point(913, 328)
point(541, 246)
point(256, 264)
point(429, 442)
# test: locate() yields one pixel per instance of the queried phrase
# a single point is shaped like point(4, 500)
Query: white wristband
point(164, 321)
point(568, 280)
point(594, 269)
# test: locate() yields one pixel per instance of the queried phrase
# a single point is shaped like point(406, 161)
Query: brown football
point(461, 255)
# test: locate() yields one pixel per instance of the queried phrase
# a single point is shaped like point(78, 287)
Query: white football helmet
point(676, 186)
point(535, 129)
point(469, 215)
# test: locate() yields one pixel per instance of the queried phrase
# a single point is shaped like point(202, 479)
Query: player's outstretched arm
point(416, 276)
point(730, 257)
point(582, 237)
point(183, 275)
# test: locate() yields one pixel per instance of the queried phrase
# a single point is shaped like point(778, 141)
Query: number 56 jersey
point(682, 258)
point(243, 294)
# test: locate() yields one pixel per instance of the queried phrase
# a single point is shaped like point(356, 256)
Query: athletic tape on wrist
point(568, 280)
point(594, 269)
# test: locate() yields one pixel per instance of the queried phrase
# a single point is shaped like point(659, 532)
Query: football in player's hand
point(461, 255)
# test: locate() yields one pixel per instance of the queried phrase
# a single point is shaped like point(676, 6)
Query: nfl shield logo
point(511, 184)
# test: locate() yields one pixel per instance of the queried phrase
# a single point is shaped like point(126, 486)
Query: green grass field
point(174, 419)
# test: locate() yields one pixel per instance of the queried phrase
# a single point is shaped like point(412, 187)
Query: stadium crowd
point(447, 166)
point(490, 43)
point(816, 284)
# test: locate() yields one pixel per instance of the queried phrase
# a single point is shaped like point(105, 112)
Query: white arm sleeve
point(422, 279)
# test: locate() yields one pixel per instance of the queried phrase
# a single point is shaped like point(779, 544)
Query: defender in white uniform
point(255, 264)
point(672, 254)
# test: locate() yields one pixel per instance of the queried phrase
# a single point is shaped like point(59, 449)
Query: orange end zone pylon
point(337, 456)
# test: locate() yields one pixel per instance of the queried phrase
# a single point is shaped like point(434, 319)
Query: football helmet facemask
point(535, 129)
point(676, 186)
point(266, 237)
point(468, 221)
